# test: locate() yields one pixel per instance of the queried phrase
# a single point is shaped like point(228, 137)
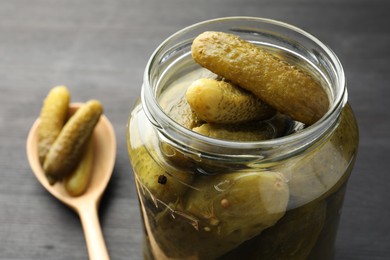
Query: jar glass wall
point(207, 198)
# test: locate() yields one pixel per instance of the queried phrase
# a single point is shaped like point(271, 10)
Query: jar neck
point(323, 60)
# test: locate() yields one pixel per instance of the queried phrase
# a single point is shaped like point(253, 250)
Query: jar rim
point(163, 122)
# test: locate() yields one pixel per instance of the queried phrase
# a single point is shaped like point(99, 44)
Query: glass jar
point(207, 198)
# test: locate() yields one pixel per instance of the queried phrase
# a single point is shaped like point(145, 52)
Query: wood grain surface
point(99, 49)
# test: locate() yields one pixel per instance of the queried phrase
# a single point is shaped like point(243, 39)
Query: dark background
point(99, 49)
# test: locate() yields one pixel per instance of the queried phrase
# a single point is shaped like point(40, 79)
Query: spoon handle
point(93, 233)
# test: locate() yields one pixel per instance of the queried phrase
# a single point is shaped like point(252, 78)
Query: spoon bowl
point(85, 205)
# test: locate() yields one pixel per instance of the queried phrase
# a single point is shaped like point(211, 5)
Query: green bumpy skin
point(77, 182)
point(279, 84)
point(66, 151)
point(52, 118)
point(216, 101)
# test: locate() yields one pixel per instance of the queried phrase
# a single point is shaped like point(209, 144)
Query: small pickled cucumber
point(217, 215)
point(178, 235)
point(216, 101)
point(155, 180)
point(182, 113)
point(282, 86)
point(77, 182)
point(293, 237)
point(223, 199)
point(176, 158)
point(52, 119)
point(65, 152)
point(248, 132)
point(327, 167)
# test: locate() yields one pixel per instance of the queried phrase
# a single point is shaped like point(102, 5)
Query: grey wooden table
point(99, 48)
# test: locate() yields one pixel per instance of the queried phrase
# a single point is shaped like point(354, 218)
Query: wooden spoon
point(85, 205)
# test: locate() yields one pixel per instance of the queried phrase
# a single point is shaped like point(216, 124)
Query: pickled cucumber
point(217, 216)
point(52, 119)
point(155, 181)
point(248, 132)
point(223, 198)
point(77, 182)
point(293, 237)
point(176, 158)
point(182, 113)
point(216, 101)
point(282, 86)
point(65, 152)
point(326, 167)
